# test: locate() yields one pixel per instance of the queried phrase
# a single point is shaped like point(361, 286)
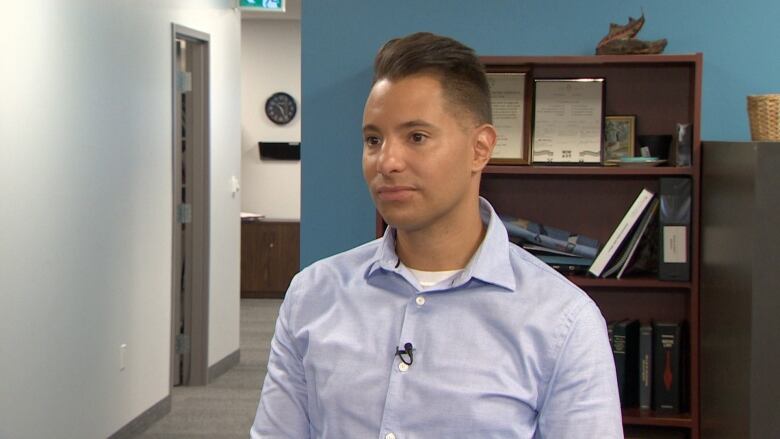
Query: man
point(441, 328)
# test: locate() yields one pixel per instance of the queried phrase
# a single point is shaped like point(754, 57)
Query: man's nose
point(390, 158)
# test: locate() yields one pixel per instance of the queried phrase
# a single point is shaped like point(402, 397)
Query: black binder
point(674, 218)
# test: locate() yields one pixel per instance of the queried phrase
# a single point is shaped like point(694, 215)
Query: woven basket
point(764, 114)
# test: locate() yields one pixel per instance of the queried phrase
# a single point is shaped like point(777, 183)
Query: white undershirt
point(430, 278)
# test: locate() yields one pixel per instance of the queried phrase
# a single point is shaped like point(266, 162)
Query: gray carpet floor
point(225, 408)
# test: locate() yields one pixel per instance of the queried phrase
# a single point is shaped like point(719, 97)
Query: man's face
point(419, 153)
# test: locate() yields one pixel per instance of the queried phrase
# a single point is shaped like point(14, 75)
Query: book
point(668, 372)
point(541, 250)
point(631, 244)
point(644, 261)
point(675, 223)
point(611, 334)
point(570, 260)
point(566, 264)
point(625, 350)
point(648, 238)
point(550, 237)
point(645, 366)
point(621, 232)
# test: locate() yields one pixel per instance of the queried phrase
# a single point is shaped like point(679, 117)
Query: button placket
point(398, 378)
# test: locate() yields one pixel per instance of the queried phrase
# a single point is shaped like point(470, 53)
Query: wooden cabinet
point(740, 300)
point(661, 91)
point(270, 257)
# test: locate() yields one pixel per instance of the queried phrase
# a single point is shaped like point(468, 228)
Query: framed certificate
point(568, 118)
point(510, 102)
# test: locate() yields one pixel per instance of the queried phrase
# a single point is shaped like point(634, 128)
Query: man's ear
point(484, 142)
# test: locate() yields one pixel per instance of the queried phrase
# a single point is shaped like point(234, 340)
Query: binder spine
point(674, 218)
point(645, 366)
point(624, 348)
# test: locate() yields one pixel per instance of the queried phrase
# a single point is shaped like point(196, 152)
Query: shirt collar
point(490, 263)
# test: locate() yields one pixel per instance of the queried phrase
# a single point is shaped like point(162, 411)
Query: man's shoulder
point(328, 280)
point(540, 278)
point(348, 262)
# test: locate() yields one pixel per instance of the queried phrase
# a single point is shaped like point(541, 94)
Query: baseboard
point(144, 420)
point(156, 412)
point(224, 365)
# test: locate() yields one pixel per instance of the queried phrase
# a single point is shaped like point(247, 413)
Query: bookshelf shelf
point(586, 170)
point(628, 283)
point(587, 60)
point(634, 416)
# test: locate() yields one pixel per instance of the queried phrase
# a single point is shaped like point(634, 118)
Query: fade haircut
point(459, 71)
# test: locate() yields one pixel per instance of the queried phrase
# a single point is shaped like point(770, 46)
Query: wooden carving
point(620, 40)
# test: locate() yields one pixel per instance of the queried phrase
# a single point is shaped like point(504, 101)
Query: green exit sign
point(266, 5)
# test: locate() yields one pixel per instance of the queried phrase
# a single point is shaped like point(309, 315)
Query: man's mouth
point(394, 193)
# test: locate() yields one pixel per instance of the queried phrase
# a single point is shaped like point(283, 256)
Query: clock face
point(280, 108)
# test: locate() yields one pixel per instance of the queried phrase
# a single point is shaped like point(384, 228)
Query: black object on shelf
point(280, 150)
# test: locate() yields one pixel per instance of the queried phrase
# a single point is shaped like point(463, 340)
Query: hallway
point(225, 408)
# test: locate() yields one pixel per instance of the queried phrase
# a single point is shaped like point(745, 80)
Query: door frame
point(196, 307)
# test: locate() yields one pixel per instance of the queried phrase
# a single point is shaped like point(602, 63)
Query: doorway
point(190, 285)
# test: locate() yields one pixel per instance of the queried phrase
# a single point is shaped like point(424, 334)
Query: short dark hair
point(461, 74)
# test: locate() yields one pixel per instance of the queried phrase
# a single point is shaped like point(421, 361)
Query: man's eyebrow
point(370, 127)
point(416, 123)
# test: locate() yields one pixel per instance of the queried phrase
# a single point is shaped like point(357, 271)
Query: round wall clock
point(280, 108)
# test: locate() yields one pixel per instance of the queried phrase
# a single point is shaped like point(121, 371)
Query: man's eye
point(418, 137)
point(371, 140)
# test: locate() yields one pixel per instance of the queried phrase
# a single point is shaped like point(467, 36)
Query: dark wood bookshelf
point(660, 90)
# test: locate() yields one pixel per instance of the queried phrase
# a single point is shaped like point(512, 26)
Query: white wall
point(270, 62)
point(85, 213)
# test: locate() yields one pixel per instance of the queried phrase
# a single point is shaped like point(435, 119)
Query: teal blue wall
point(339, 39)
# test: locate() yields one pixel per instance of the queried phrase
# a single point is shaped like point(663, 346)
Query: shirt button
point(403, 367)
point(389, 436)
point(420, 300)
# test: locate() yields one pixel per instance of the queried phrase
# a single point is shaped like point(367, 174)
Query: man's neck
point(441, 248)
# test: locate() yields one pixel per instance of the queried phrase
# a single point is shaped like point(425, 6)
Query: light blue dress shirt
point(508, 348)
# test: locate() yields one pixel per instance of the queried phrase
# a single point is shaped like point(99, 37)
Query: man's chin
point(402, 222)
point(400, 215)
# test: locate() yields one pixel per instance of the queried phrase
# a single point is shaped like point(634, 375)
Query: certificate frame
point(619, 137)
point(510, 100)
point(568, 121)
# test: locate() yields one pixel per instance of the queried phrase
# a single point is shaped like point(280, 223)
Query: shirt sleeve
point(582, 397)
point(282, 412)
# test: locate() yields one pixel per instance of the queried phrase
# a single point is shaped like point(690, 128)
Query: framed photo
point(619, 137)
point(510, 103)
point(568, 118)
